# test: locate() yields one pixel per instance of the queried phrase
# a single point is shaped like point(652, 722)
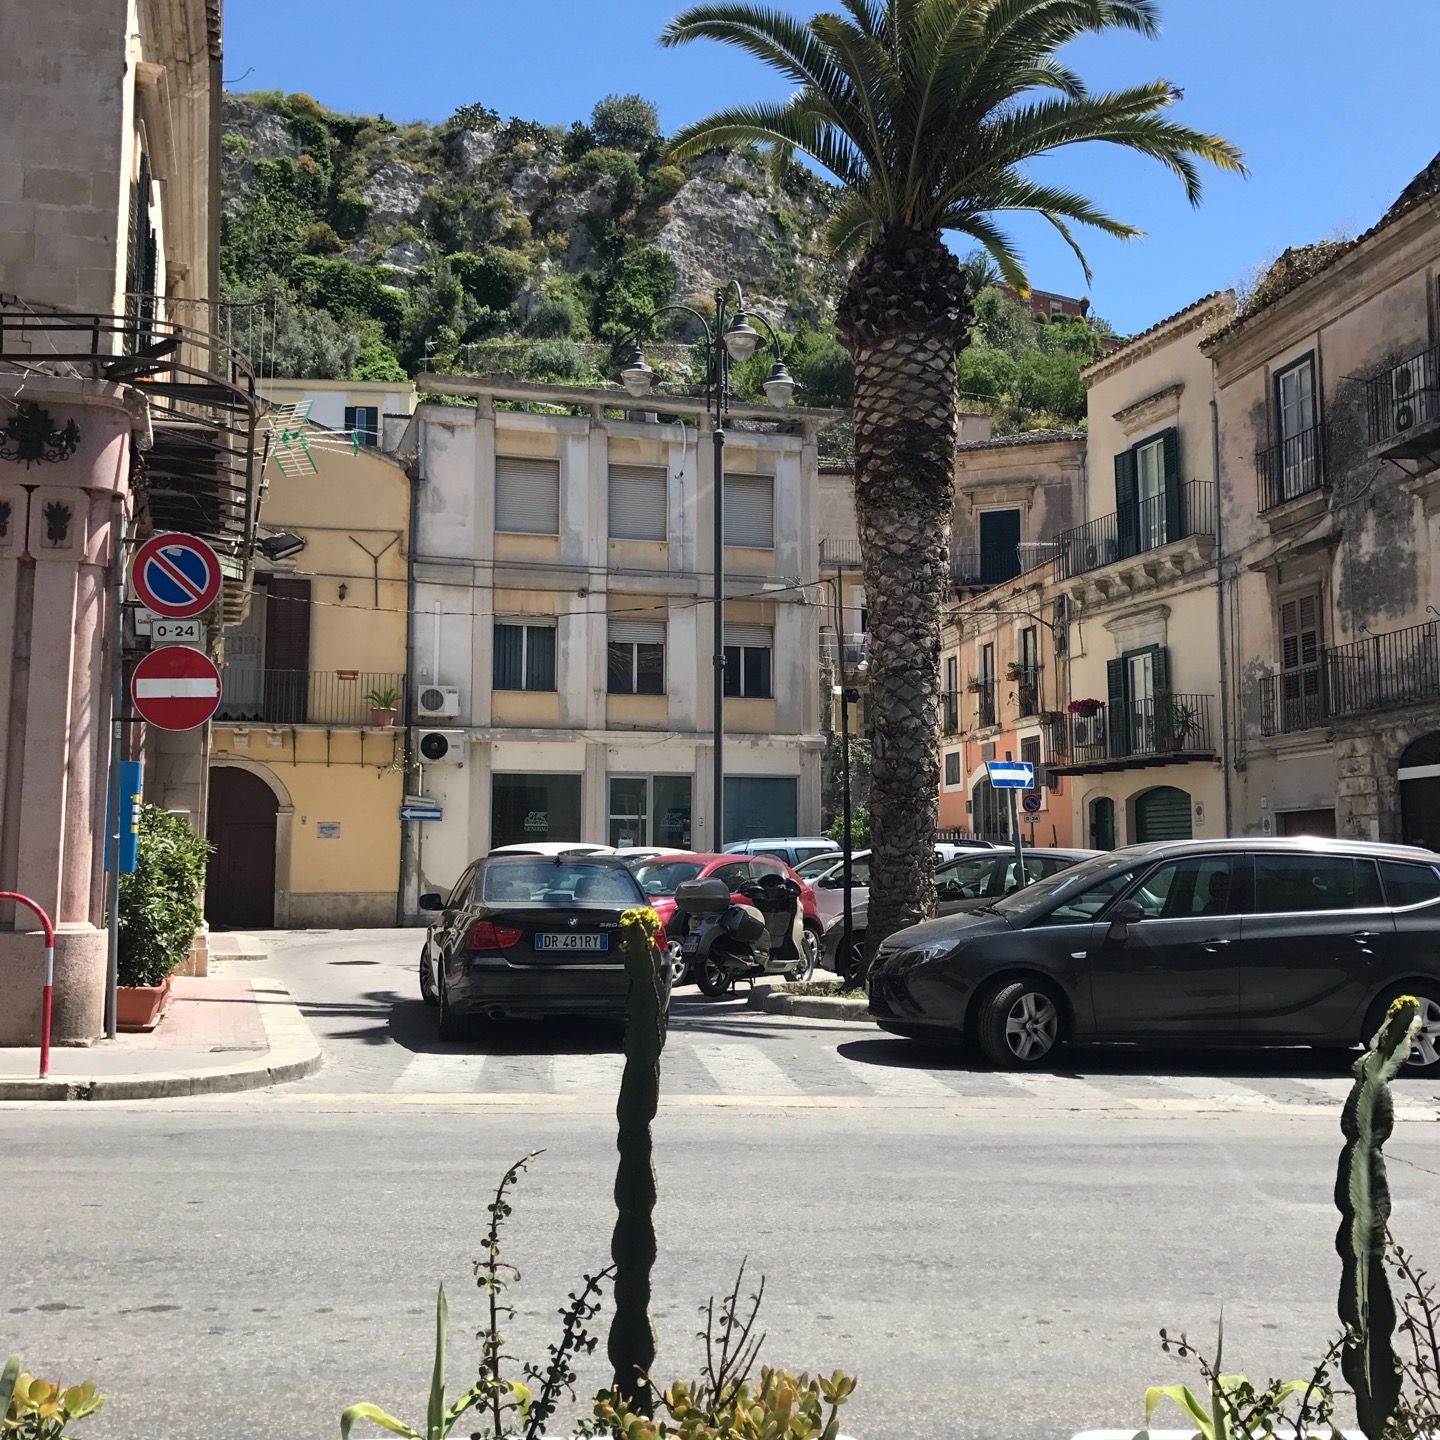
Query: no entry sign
point(176, 688)
point(176, 575)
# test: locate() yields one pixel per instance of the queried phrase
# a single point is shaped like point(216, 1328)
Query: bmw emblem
point(574, 921)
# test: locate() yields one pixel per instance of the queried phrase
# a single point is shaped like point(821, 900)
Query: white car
point(554, 847)
point(647, 852)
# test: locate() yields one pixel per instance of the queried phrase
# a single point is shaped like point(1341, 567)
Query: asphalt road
point(993, 1258)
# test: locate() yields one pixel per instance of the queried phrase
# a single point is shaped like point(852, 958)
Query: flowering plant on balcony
point(1085, 707)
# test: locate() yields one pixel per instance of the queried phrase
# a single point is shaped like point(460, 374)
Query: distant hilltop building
point(1047, 303)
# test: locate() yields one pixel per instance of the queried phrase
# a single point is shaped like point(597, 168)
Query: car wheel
point(712, 980)
point(810, 948)
point(452, 1027)
point(678, 963)
point(850, 959)
point(1019, 1025)
point(1425, 1052)
point(427, 981)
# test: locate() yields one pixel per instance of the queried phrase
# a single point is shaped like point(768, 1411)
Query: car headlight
point(935, 949)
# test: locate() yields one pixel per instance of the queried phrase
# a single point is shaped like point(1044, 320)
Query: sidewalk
point(221, 1034)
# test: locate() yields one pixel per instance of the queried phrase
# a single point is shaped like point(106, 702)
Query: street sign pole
point(1015, 833)
point(117, 744)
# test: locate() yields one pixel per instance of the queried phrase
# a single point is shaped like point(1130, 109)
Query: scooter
point(727, 942)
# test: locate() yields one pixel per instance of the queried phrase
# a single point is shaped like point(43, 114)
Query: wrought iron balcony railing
point(1291, 468)
point(1134, 529)
point(984, 692)
point(1404, 406)
point(856, 648)
point(977, 568)
point(844, 554)
point(950, 712)
point(306, 697)
point(1141, 730)
point(1380, 672)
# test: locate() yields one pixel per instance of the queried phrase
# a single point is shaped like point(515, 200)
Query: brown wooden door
point(240, 879)
point(287, 651)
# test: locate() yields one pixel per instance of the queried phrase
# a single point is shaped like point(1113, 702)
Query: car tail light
point(486, 935)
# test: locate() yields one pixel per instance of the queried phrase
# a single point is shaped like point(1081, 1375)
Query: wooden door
point(240, 879)
point(287, 651)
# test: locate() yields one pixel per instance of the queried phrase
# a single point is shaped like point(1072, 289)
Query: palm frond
point(852, 220)
point(864, 62)
point(997, 244)
point(793, 123)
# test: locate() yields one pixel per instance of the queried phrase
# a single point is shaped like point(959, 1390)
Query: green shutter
point(1174, 488)
point(1118, 712)
point(1127, 503)
point(1160, 667)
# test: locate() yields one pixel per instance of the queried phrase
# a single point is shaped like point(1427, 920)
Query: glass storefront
point(530, 808)
point(650, 810)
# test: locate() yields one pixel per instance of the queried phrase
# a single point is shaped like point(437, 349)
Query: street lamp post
point(732, 338)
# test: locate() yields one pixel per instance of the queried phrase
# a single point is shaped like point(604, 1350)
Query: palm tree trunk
point(903, 318)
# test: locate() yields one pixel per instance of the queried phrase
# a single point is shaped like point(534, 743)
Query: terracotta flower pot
point(383, 717)
point(140, 1007)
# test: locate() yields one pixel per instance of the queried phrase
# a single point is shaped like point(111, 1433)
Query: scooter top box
point(702, 897)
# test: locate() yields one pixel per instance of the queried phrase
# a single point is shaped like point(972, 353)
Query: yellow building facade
point(307, 750)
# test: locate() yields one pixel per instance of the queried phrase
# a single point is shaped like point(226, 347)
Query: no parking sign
point(176, 575)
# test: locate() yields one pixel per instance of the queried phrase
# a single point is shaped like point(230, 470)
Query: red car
point(660, 877)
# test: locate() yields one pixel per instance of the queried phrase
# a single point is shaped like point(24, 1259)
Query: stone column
point(59, 499)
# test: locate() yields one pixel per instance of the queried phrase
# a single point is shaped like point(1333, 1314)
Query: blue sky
point(1322, 97)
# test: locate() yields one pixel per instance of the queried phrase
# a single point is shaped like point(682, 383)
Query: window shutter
point(759, 636)
point(1299, 631)
point(1174, 488)
point(1160, 667)
point(637, 632)
point(637, 502)
point(750, 511)
point(527, 495)
point(1119, 714)
point(1127, 503)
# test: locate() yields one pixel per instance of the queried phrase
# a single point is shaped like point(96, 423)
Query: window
point(534, 807)
point(1288, 884)
point(364, 421)
point(951, 696)
point(747, 661)
point(1296, 431)
point(989, 812)
point(999, 545)
point(985, 699)
point(524, 655)
point(650, 810)
point(1030, 751)
point(952, 768)
point(1302, 704)
point(556, 882)
point(638, 502)
point(1149, 496)
point(1132, 680)
point(1150, 490)
point(966, 879)
point(1088, 902)
point(750, 511)
point(1199, 885)
point(461, 888)
point(635, 658)
point(736, 872)
point(527, 495)
point(1407, 884)
point(759, 805)
point(859, 873)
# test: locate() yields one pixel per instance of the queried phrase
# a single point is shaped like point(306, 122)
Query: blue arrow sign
point(421, 812)
point(1011, 774)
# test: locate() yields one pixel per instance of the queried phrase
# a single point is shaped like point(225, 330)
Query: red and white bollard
point(48, 992)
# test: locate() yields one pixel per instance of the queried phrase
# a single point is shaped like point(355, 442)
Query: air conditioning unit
point(441, 747)
point(437, 702)
point(1416, 391)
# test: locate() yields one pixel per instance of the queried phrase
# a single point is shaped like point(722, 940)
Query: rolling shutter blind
point(527, 495)
point(637, 632)
point(1163, 814)
point(758, 636)
point(637, 502)
point(750, 511)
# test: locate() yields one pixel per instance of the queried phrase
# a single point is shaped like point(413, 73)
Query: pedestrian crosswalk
point(701, 1066)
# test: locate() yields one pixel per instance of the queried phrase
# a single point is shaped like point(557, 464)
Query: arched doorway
point(1419, 777)
point(1162, 814)
point(989, 812)
point(240, 879)
point(1102, 823)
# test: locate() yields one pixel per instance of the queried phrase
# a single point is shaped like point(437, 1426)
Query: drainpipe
point(416, 474)
point(1225, 756)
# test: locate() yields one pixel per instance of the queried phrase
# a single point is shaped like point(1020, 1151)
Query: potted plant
point(1086, 708)
point(1175, 720)
point(974, 684)
point(384, 703)
point(159, 914)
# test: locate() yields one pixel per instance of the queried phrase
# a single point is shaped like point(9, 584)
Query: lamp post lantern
point(732, 338)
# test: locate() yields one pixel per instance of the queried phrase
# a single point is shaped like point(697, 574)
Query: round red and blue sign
point(176, 575)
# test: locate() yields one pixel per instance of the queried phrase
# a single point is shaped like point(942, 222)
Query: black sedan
point(1223, 942)
point(528, 936)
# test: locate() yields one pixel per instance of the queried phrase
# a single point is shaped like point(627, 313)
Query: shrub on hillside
point(630, 122)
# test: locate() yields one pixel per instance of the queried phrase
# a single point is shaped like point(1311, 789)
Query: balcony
point(1026, 680)
point(983, 690)
point(853, 649)
point(1291, 468)
point(1380, 672)
point(950, 712)
point(303, 697)
point(1404, 409)
point(839, 554)
point(1136, 530)
point(1168, 729)
point(987, 565)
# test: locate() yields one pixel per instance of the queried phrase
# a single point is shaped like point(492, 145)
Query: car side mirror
point(1124, 915)
point(431, 901)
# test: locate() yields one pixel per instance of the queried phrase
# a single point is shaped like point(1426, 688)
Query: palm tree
point(925, 112)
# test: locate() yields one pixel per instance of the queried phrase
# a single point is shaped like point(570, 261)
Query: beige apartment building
point(562, 652)
point(1143, 736)
point(1329, 400)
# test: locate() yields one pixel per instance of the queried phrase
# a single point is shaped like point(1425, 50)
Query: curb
point(293, 1054)
point(809, 1007)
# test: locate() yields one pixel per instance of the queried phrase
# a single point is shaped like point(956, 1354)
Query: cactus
point(631, 1345)
point(1362, 1195)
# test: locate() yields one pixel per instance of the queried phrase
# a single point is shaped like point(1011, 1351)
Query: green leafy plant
point(35, 1409)
point(631, 1345)
point(1233, 1409)
point(1362, 1196)
point(859, 828)
point(1176, 720)
point(160, 901)
point(384, 697)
